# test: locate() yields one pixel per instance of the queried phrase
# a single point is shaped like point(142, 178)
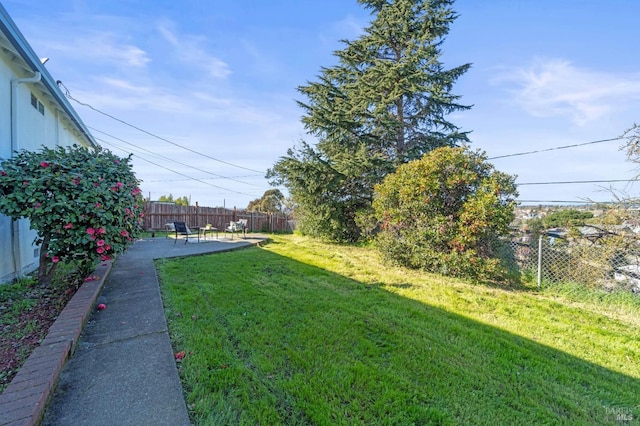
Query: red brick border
point(23, 402)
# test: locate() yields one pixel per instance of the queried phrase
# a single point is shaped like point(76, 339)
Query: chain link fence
point(555, 260)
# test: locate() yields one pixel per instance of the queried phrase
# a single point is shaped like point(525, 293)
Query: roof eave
point(22, 47)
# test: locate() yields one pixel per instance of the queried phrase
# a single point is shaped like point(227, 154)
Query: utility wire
point(557, 148)
point(577, 181)
point(183, 180)
point(564, 202)
point(176, 172)
point(172, 159)
point(68, 95)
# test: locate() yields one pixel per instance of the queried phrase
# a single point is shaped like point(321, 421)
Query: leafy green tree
point(383, 104)
point(446, 213)
point(180, 201)
point(326, 198)
point(566, 218)
point(272, 201)
point(85, 205)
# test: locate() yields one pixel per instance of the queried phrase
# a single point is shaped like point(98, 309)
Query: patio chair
point(182, 229)
point(239, 226)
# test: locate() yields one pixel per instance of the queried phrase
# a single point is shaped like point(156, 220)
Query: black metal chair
point(182, 229)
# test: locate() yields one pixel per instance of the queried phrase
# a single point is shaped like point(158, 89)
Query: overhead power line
point(182, 180)
point(176, 172)
point(564, 201)
point(68, 95)
point(577, 181)
point(557, 148)
point(171, 159)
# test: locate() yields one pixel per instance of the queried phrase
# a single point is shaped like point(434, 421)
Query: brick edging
point(24, 400)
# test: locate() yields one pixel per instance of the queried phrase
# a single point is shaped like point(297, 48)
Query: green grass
point(301, 332)
point(15, 299)
point(27, 309)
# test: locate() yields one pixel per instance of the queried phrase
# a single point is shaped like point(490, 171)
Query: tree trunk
point(45, 268)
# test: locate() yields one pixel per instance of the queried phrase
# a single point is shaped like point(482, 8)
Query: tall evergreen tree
point(383, 104)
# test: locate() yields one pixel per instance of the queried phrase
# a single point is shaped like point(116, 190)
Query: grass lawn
point(301, 332)
point(27, 310)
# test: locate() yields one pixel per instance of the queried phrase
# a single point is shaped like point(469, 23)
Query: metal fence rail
point(555, 261)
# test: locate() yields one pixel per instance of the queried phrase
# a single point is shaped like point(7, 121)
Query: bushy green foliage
point(445, 213)
point(272, 201)
point(566, 218)
point(327, 195)
point(85, 205)
point(180, 201)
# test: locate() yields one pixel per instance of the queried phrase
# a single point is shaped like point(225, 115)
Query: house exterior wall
point(44, 124)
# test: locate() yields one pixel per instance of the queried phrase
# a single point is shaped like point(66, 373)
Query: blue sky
point(220, 78)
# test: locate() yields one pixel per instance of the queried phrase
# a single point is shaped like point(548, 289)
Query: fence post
point(539, 260)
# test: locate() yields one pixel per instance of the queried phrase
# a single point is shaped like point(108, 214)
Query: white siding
point(33, 131)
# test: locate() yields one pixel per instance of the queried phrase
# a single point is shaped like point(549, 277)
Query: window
point(37, 104)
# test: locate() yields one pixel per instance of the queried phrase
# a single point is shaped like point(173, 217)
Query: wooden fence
point(157, 215)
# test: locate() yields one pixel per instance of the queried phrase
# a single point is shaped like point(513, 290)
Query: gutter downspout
point(15, 228)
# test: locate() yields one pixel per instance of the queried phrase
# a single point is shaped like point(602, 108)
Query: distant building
point(34, 112)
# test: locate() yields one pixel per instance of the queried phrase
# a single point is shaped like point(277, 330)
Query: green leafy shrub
point(566, 218)
point(85, 205)
point(446, 213)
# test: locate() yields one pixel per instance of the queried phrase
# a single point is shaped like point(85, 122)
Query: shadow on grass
point(277, 341)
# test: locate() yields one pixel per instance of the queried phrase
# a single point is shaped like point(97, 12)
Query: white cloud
point(348, 28)
point(558, 88)
point(191, 51)
point(104, 47)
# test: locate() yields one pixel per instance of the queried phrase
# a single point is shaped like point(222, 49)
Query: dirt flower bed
point(27, 310)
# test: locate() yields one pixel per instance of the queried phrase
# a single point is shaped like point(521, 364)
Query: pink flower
point(68, 226)
point(100, 231)
point(119, 184)
point(98, 205)
point(135, 191)
point(3, 173)
point(107, 247)
point(102, 306)
point(124, 233)
point(76, 181)
point(55, 259)
point(44, 164)
point(180, 355)
point(100, 243)
point(104, 257)
point(91, 231)
point(96, 184)
point(100, 250)
point(116, 161)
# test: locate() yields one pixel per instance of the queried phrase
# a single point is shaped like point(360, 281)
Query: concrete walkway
point(123, 371)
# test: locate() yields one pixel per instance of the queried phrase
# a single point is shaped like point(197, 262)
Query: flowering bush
point(446, 213)
point(85, 205)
